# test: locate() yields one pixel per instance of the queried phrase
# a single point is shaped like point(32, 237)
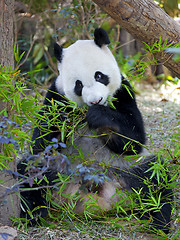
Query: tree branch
point(146, 22)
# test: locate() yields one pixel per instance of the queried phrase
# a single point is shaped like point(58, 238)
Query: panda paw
point(99, 116)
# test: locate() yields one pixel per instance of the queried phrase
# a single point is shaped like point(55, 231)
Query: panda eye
point(78, 88)
point(102, 78)
point(98, 77)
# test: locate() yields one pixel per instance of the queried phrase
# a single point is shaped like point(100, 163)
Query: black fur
point(78, 88)
point(53, 94)
point(41, 142)
point(125, 135)
point(58, 52)
point(100, 37)
point(125, 120)
point(32, 200)
point(102, 78)
point(132, 179)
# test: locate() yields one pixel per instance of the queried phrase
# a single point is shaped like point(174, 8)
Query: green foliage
point(125, 211)
point(71, 21)
point(159, 46)
point(37, 6)
point(110, 100)
point(170, 6)
point(17, 57)
point(25, 110)
point(18, 110)
point(134, 67)
point(68, 21)
point(64, 22)
point(66, 116)
point(158, 171)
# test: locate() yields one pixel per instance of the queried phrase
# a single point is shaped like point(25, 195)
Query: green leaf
point(127, 88)
point(38, 53)
point(110, 100)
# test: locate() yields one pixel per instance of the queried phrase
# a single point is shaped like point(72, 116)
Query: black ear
point(101, 37)
point(58, 52)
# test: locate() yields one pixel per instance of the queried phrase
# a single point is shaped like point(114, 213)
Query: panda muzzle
point(96, 102)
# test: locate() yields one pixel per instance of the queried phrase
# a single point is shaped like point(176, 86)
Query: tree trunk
point(9, 205)
point(6, 33)
point(146, 22)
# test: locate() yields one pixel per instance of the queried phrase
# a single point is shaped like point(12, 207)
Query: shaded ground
point(161, 111)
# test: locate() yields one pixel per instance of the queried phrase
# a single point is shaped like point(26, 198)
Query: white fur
point(80, 61)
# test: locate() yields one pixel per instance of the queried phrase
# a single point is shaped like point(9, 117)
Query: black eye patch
point(102, 78)
point(78, 88)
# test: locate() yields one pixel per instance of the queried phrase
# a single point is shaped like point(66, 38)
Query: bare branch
point(146, 22)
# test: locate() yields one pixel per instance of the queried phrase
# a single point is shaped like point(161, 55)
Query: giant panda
point(110, 138)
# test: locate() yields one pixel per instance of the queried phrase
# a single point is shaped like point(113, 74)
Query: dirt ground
point(160, 107)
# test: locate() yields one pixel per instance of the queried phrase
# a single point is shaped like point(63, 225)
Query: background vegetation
point(38, 24)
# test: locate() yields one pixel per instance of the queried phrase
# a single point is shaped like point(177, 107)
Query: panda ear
point(101, 37)
point(58, 52)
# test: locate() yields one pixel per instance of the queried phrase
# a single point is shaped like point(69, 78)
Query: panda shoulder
point(53, 93)
point(125, 94)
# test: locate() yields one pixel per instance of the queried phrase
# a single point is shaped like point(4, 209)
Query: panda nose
point(96, 102)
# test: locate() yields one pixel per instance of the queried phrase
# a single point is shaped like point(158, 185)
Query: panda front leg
point(121, 131)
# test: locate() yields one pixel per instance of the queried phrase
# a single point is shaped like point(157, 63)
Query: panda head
point(88, 70)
